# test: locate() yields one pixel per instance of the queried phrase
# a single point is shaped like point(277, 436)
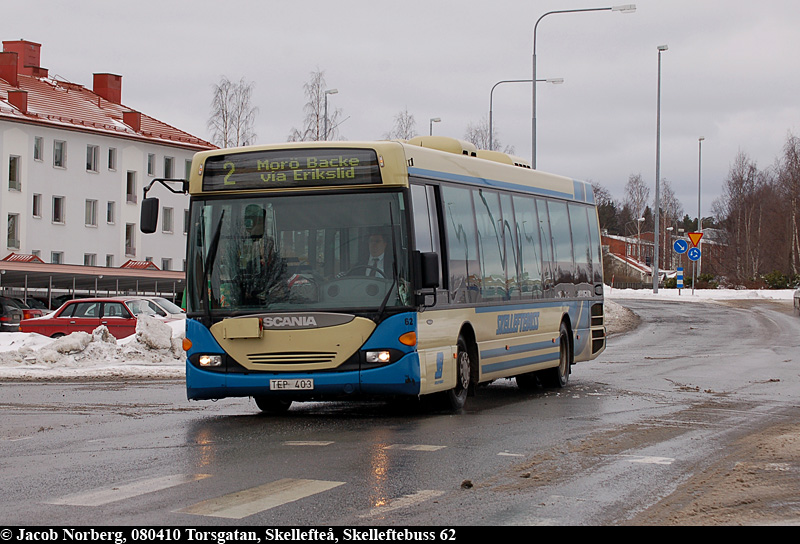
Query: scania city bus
point(352, 270)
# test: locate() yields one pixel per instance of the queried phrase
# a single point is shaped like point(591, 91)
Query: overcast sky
point(730, 74)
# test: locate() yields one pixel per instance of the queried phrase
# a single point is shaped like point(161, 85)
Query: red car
point(118, 314)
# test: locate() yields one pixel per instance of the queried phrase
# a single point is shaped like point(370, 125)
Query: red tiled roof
point(69, 105)
point(16, 257)
point(140, 265)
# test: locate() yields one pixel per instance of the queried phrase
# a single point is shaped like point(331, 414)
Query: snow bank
point(153, 352)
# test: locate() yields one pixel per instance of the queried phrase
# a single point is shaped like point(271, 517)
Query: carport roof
point(40, 275)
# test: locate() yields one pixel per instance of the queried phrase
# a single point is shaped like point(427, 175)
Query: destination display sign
point(287, 168)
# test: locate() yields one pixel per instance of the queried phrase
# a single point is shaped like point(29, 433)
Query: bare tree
point(232, 113)
point(404, 127)
point(789, 187)
point(637, 196)
point(741, 209)
point(314, 124)
point(478, 135)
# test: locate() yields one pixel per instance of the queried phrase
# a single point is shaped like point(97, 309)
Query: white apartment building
point(73, 163)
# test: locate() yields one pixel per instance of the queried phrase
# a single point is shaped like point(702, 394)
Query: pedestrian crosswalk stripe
point(105, 495)
point(251, 501)
point(414, 447)
point(404, 502)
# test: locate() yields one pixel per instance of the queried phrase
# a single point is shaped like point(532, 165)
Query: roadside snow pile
point(153, 352)
point(618, 319)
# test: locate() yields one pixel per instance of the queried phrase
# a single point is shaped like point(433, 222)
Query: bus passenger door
point(426, 229)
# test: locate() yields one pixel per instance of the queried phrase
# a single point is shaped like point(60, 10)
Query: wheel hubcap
point(463, 369)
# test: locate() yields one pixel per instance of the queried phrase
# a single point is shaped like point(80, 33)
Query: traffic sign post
point(680, 279)
point(694, 254)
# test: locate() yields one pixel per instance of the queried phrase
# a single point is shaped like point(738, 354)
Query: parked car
point(165, 308)
point(37, 304)
point(118, 314)
point(10, 315)
point(28, 312)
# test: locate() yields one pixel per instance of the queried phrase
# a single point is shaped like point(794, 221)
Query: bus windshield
point(343, 252)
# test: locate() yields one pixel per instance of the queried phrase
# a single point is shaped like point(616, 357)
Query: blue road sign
point(680, 246)
point(680, 277)
point(694, 254)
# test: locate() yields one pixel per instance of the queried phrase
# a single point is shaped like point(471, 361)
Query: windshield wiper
point(210, 258)
point(382, 308)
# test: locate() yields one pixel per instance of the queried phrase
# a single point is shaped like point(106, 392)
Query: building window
point(166, 225)
point(187, 167)
point(38, 145)
point(60, 154)
point(111, 213)
point(59, 209)
point(186, 221)
point(109, 261)
point(130, 239)
point(151, 164)
point(166, 264)
point(92, 158)
point(130, 187)
point(91, 213)
point(13, 231)
point(57, 257)
point(14, 181)
point(112, 158)
point(37, 205)
point(89, 259)
point(168, 162)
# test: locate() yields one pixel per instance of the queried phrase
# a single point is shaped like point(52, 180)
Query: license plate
point(291, 385)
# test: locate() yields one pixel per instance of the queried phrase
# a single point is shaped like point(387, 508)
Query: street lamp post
point(699, 216)
point(554, 81)
point(434, 120)
point(325, 121)
point(661, 49)
point(627, 8)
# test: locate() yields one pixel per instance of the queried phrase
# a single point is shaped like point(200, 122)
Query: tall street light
point(554, 81)
point(627, 8)
point(434, 120)
point(661, 49)
point(325, 121)
point(699, 216)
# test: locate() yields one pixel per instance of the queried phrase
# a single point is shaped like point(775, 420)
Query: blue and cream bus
point(489, 270)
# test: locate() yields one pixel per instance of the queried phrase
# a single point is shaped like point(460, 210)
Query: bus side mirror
point(428, 269)
point(149, 217)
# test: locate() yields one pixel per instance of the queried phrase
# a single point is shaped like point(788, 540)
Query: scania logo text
point(289, 321)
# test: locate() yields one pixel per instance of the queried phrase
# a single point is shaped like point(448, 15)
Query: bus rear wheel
point(271, 405)
point(558, 377)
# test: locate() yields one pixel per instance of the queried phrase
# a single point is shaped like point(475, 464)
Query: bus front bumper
point(401, 378)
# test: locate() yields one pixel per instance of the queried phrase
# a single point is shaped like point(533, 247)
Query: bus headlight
point(378, 357)
point(210, 360)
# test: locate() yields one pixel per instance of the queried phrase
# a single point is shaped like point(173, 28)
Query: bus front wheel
point(558, 376)
point(457, 396)
point(271, 405)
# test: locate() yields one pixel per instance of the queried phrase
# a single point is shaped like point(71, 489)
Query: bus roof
point(430, 158)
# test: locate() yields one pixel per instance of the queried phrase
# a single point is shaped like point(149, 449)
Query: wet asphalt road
point(659, 404)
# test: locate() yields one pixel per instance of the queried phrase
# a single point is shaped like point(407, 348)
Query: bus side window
point(562, 243)
point(581, 242)
point(462, 245)
point(547, 247)
point(529, 250)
